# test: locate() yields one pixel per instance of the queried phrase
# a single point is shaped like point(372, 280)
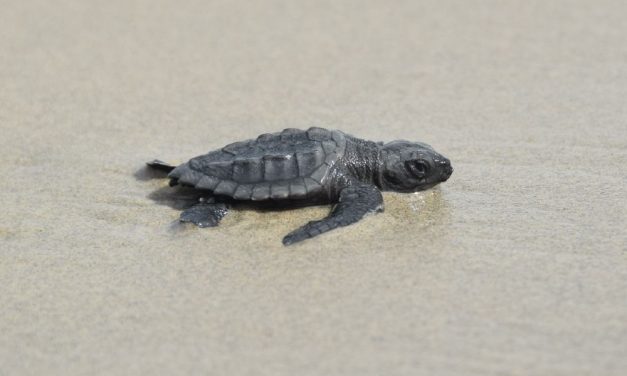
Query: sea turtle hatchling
point(309, 167)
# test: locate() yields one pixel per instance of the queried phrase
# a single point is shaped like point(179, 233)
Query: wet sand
point(515, 266)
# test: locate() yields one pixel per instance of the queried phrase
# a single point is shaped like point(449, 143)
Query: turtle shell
point(291, 164)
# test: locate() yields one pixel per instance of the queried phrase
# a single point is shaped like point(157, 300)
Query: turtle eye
point(419, 168)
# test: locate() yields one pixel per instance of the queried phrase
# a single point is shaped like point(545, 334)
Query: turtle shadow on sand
point(145, 174)
point(179, 198)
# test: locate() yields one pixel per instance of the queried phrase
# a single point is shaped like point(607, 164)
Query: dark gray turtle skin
point(307, 167)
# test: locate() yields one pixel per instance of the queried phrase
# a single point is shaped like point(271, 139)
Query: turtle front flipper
point(205, 214)
point(355, 202)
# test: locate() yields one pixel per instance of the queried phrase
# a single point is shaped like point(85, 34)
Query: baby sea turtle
point(307, 167)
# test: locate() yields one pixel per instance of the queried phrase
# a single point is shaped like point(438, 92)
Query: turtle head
point(412, 166)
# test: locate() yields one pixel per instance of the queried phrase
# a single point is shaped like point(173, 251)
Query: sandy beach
point(515, 266)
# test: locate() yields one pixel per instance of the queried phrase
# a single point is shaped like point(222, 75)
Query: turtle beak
point(447, 171)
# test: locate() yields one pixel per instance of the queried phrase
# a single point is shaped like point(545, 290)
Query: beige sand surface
point(516, 266)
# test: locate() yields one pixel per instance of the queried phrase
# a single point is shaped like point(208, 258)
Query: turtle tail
point(160, 166)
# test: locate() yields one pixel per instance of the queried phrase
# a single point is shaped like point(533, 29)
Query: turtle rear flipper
point(205, 214)
point(355, 202)
point(160, 165)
